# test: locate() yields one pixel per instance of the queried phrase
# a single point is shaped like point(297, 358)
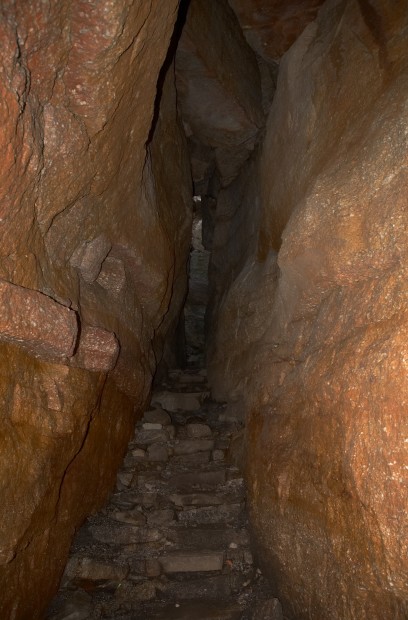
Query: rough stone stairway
point(172, 543)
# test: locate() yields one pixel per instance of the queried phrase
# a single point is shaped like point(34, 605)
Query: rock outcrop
point(94, 242)
point(312, 332)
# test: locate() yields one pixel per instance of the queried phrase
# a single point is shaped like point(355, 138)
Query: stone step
point(192, 562)
point(179, 401)
point(194, 610)
point(191, 481)
point(222, 514)
point(191, 446)
point(212, 537)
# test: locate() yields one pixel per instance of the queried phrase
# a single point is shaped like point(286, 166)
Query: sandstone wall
point(93, 247)
point(314, 339)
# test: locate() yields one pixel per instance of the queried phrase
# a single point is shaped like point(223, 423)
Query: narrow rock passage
point(173, 542)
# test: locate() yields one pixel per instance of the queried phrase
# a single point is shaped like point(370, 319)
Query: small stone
point(248, 558)
point(184, 401)
point(233, 545)
point(138, 453)
point(196, 499)
point(197, 431)
point(191, 480)
point(147, 437)
point(160, 517)
point(133, 593)
point(158, 453)
point(152, 567)
point(87, 568)
point(157, 416)
point(125, 478)
point(218, 455)
point(191, 446)
point(152, 426)
point(192, 562)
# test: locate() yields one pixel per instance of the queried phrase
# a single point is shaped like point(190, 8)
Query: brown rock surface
point(92, 218)
point(219, 87)
point(317, 341)
point(271, 26)
point(98, 349)
point(36, 322)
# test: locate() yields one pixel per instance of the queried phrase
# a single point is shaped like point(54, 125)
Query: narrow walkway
point(173, 542)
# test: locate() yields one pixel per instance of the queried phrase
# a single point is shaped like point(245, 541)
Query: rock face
point(219, 87)
point(312, 332)
point(94, 244)
point(270, 27)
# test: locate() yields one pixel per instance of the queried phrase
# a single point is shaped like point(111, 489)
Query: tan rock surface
point(319, 346)
point(90, 221)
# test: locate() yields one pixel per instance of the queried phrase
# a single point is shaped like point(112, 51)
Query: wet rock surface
point(173, 540)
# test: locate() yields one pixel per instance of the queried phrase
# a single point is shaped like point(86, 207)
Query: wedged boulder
point(317, 346)
point(219, 88)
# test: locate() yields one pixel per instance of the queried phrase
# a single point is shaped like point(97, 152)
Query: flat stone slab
point(193, 562)
point(146, 437)
point(191, 446)
point(124, 535)
point(196, 499)
point(198, 431)
point(179, 401)
point(226, 513)
point(89, 568)
point(214, 539)
point(190, 481)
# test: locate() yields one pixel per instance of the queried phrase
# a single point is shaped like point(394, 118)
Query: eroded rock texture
point(314, 338)
point(94, 241)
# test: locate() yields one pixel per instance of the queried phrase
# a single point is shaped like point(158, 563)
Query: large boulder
point(94, 244)
point(219, 87)
point(312, 333)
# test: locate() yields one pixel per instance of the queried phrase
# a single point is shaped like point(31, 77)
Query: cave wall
point(95, 235)
point(311, 334)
